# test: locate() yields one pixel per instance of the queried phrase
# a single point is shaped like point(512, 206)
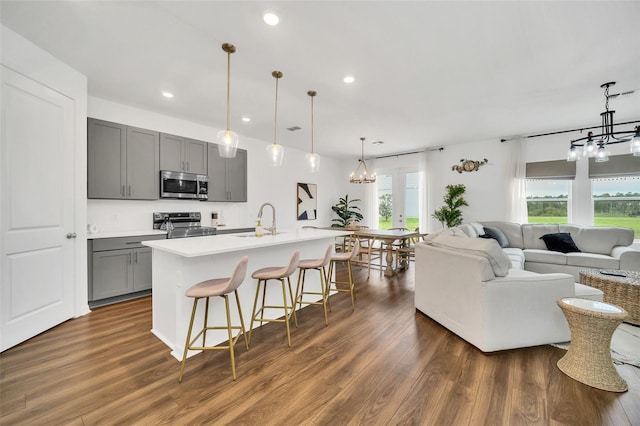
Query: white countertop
point(115, 234)
point(215, 244)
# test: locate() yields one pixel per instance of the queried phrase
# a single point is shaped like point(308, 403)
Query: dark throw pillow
point(561, 242)
point(496, 234)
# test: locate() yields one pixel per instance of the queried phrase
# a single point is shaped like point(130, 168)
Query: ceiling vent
point(294, 128)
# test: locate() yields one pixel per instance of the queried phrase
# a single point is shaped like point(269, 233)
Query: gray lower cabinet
point(119, 269)
point(182, 154)
point(123, 161)
point(227, 176)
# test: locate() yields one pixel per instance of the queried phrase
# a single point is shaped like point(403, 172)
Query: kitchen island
point(178, 264)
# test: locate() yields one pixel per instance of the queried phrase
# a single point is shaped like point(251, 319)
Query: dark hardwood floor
point(384, 363)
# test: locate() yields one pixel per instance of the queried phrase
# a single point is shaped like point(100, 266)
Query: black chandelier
point(595, 145)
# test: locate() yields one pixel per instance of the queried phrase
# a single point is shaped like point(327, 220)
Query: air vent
point(294, 128)
point(378, 142)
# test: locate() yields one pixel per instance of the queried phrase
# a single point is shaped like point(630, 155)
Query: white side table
point(588, 359)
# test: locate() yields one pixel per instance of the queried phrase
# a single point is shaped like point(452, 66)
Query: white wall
point(264, 184)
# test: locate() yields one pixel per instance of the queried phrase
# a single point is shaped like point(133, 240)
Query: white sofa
point(471, 287)
point(600, 247)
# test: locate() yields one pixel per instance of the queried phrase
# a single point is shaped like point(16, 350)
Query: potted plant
point(347, 212)
point(450, 214)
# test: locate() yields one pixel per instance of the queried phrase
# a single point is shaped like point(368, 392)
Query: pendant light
point(312, 158)
point(275, 152)
point(361, 174)
point(227, 140)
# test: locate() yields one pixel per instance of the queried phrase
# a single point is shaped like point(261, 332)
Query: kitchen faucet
point(273, 224)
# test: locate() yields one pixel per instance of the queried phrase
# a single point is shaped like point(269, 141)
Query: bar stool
point(275, 273)
point(347, 258)
point(205, 290)
point(320, 266)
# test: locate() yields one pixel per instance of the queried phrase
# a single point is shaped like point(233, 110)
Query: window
point(547, 200)
point(385, 201)
point(616, 202)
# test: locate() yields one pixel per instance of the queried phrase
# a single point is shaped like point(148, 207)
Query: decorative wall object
point(469, 165)
point(307, 201)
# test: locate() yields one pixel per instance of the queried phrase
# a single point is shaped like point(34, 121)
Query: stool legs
point(288, 309)
point(189, 343)
point(350, 283)
point(324, 292)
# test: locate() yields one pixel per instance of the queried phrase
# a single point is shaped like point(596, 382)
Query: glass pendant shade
point(602, 155)
point(227, 143)
point(275, 154)
point(573, 154)
point(313, 160)
point(590, 149)
point(635, 145)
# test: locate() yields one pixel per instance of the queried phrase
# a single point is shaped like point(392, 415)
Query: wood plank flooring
point(382, 364)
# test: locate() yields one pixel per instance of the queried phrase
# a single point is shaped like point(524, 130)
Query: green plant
point(450, 214)
point(385, 208)
point(346, 209)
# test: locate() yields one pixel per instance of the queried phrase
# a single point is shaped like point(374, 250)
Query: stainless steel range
point(181, 225)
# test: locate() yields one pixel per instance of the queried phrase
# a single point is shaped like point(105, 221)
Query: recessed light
point(246, 119)
point(349, 79)
point(270, 18)
point(167, 94)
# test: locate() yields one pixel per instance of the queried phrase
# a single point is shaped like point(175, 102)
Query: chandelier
point(361, 174)
point(596, 145)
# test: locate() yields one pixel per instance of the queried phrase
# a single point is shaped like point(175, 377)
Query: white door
point(37, 216)
point(398, 192)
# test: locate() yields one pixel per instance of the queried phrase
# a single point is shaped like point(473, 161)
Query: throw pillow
point(497, 234)
point(560, 241)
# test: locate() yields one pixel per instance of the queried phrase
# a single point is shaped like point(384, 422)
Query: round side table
point(588, 359)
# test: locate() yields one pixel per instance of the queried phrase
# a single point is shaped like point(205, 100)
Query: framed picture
point(307, 201)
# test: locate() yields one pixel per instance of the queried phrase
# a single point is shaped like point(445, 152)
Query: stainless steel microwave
point(183, 185)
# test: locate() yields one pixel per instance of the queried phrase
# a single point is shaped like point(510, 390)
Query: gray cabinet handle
point(129, 190)
point(187, 166)
point(135, 257)
point(130, 258)
point(183, 167)
point(132, 242)
point(71, 235)
point(122, 191)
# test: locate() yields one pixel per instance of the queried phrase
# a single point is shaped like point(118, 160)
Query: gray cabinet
point(123, 161)
point(227, 176)
point(182, 154)
point(119, 269)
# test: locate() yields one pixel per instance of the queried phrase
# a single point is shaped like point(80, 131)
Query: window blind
point(618, 165)
point(557, 170)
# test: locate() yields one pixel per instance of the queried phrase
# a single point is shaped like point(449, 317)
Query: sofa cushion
point(516, 256)
point(531, 234)
point(497, 235)
point(545, 256)
point(560, 241)
point(596, 239)
point(592, 260)
point(585, 292)
point(489, 249)
point(478, 228)
point(513, 232)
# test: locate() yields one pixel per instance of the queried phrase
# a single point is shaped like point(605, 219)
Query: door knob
point(71, 235)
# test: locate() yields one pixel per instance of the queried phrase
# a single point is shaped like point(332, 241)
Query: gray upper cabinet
point(123, 161)
point(227, 176)
point(182, 154)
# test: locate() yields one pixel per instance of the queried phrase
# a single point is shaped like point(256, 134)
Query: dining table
point(387, 237)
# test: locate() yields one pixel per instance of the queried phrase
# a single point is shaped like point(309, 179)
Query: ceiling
point(427, 73)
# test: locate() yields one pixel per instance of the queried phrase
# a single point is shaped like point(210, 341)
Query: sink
point(254, 235)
